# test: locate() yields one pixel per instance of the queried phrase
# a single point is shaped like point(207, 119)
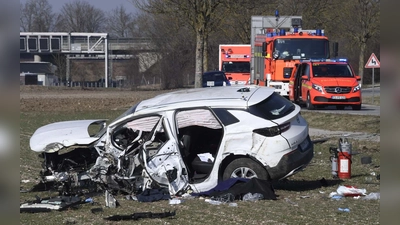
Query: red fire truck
point(276, 49)
point(234, 60)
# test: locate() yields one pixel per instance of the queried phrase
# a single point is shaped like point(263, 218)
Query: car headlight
point(357, 88)
point(318, 88)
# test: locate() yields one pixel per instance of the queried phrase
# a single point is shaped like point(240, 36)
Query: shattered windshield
point(301, 48)
point(127, 112)
point(331, 70)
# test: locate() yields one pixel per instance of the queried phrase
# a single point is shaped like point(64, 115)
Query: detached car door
point(162, 160)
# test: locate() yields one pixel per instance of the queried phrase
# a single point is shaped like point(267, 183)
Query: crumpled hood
point(56, 136)
point(336, 81)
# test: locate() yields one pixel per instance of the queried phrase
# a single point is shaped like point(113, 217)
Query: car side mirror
point(304, 77)
point(358, 78)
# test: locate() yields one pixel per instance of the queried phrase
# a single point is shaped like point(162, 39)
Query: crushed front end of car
point(67, 152)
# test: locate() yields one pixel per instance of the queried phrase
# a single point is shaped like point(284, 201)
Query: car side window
point(306, 70)
point(130, 135)
point(219, 77)
point(156, 139)
point(299, 70)
point(204, 130)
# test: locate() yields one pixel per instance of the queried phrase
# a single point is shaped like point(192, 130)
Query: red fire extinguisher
point(344, 159)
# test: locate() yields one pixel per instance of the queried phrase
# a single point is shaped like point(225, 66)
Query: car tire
point(245, 168)
point(356, 107)
point(340, 107)
point(309, 105)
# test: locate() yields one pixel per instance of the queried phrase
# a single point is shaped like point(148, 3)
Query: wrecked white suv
point(189, 139)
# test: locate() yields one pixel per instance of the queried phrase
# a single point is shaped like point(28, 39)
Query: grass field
point(302, 198)
point(376, 100)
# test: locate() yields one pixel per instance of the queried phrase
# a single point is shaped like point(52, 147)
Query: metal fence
point(91, 84)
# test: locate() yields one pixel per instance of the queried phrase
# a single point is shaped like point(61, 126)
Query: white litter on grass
point(175, 201)
point(350, 191)
point(188, 196)
point(333, 194)
point(25, 181)
point(372, 196)
point(213, 202)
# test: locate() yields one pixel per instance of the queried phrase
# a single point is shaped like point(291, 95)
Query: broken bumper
point(293, 162)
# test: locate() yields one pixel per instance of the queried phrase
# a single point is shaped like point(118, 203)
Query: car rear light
point(273, 131)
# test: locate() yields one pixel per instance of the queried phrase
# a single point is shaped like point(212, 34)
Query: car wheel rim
point(243, 172)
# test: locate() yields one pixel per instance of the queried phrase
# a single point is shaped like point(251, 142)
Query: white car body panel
point(167, 162)
point(254, 144)
point(56, 136)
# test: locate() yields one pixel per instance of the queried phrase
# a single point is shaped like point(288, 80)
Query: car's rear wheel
point(356, 107)
point(245, 168)
point(309, 105)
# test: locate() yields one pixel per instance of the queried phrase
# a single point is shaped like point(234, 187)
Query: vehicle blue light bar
point(324, 60)
point(318, 32)
point(313, 60)
point(282, 32)
point(295, 29)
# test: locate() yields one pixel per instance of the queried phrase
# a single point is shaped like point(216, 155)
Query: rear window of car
point(214, 77)
point(273, 107)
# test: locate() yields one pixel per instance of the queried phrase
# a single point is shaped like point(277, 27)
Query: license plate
point(338, 97)
point(304, 145)
point(210, 83)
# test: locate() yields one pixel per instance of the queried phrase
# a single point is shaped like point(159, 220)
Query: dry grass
point(376, 100)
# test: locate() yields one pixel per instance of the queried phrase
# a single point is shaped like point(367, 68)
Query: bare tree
point(119, 22)
point(36, 16)
point(362, 19)
point(61, 63)
point(198, 14)
point(173, 50)
point(237, 25)
point(80, 16)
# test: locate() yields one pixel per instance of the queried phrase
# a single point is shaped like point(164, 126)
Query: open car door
point(162, 160)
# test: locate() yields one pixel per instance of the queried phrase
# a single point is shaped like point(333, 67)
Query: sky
point(105, 5)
